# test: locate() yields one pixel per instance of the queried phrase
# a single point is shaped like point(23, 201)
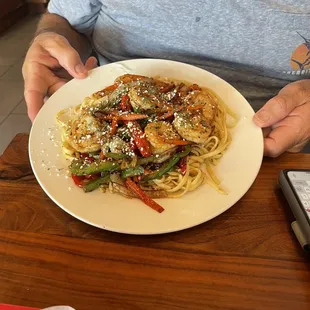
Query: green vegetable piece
point(131, 172)
point(145, 160)
point(143, 122)
point(94, 184)
point(168, 166)
point(116, 155)
point(79, 167)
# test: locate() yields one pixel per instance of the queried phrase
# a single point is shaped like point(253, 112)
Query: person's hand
point(285, 119)
point(50, 62)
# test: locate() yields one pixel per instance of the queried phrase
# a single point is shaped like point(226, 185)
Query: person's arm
point(53, 23)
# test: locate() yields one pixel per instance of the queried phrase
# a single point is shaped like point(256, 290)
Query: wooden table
point(247, 258)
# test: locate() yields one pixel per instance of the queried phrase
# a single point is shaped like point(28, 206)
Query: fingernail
point(262, 116)
point(95, 62)
point(79, 69)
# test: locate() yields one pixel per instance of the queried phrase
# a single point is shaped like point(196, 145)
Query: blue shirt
point(260, 42)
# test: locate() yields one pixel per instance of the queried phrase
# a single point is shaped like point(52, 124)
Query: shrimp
point(96, 102)
point(134, 78)
point(143, 97)
point(128, 78)
point(197, 98)
point(196, 125)
point(90, 105)
point(157, 133)
point(144, 93)
point(86, 134)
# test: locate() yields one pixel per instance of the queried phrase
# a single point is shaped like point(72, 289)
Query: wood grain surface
point(247, 258)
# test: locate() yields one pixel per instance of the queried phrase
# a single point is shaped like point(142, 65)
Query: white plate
point(237, 169)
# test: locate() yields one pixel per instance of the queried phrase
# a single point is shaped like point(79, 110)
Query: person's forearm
point(57, 24)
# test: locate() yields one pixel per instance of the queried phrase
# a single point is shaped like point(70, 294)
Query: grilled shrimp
point(203, 98)
point(87, 134)
point(96, 102)
point(131, 78)
point(143, 98)
point(128, 78)
point(196, 125)
point(158, 134)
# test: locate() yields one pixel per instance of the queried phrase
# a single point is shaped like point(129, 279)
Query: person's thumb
point(91, 63)
point(279, 107)
point(274, 110)
point(59, 48)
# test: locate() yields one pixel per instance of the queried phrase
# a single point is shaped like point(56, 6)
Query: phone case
point(297, 209)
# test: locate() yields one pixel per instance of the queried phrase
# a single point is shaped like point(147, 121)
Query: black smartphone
point(295, 184)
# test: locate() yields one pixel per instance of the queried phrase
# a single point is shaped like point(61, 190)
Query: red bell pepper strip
point(139, 138)
point(136, 131)
point(125, 105)
point(167, 88)
point(133, 187)
point(114, 126)
point(183, 165)
point(124, 117)
point(166, 115)
point(78, 180)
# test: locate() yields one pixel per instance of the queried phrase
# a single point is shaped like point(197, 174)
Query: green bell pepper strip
point(94, 184)
point(79, 167)
point(116, 155)
point(167, 166)
point(145, 160)
point(131, 172)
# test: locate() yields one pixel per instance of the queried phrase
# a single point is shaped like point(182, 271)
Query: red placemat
point(14, 307)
